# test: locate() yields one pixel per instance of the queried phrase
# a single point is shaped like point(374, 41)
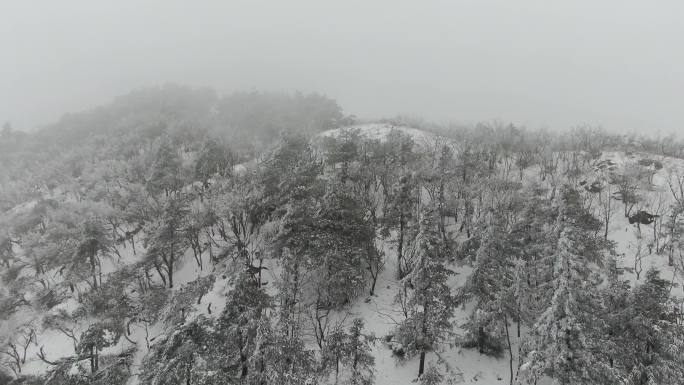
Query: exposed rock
point(642, 217)
point(646, 162)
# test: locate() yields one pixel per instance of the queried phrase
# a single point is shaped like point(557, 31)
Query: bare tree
point(638, 254)
point(675, 182)
point(323, 320)
point(606, 207)
point(657, 207)
point(16, 349)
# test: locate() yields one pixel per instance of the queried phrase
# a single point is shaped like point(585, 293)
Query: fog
point(618, 64)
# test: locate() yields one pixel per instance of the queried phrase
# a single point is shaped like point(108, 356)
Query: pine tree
point(95, 242)
point(166, 170)
point(567, 338)
point(346, 240)
point(237, 325)
point(432, 376)
point(328, 243)
point(285, 359)
point(400, 216)
point(185, 355)
point(430, 303)
point(533, 240)
point(349, 353)
point(98, 336)
point(341, 151)
point(358, 357)
point(166, 243)
point(214, 159)
point(489, 285)
point(445, 205)
point(648, 339)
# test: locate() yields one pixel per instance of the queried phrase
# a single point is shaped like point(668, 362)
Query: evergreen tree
point(98, 336)
point(330, 244)
point(166, 170)
point(95, 241)
point(237, 326)
point(358, 357)
point(432, 376)
point(400, 216)
point(346, 238)
point(430, 303)
point(533, 240)
point(214, 159)
point(489, 285)
point(185, 355)
point(352, 350)
point(567, 339)
point(281, 356)
point(165, 242)
point(341, 151)
point(648, 340)
point(437, 177)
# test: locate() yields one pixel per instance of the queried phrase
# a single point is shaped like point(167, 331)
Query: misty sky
point(618, 63)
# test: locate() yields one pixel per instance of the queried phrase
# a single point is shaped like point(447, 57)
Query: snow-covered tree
point(246, 306)
point(400, 216)
point(488, 285)
point(165, 175)
point(185, 355)
point(98, 336)
point(430, 302)
point(165, 242)
point(647, 338)
point(567, 340)
point(215, 158)
point(329, 243)
point(352, 350)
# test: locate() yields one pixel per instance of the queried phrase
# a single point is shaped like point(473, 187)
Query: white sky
point(545, 63)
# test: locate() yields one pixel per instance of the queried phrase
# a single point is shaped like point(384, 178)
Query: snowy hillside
point(366, 254)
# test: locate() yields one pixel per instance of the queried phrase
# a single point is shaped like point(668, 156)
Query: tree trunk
point(375, 280)
point(337, 368)
point(93, 271)
point(245, 368)
point(510, 349)
point(400, 246)
point(170, 271)
point(442, 214)
point(372, 255)
point(421, 366)
point(159, 271)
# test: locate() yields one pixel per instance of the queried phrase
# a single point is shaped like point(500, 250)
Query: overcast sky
point(618, 63)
